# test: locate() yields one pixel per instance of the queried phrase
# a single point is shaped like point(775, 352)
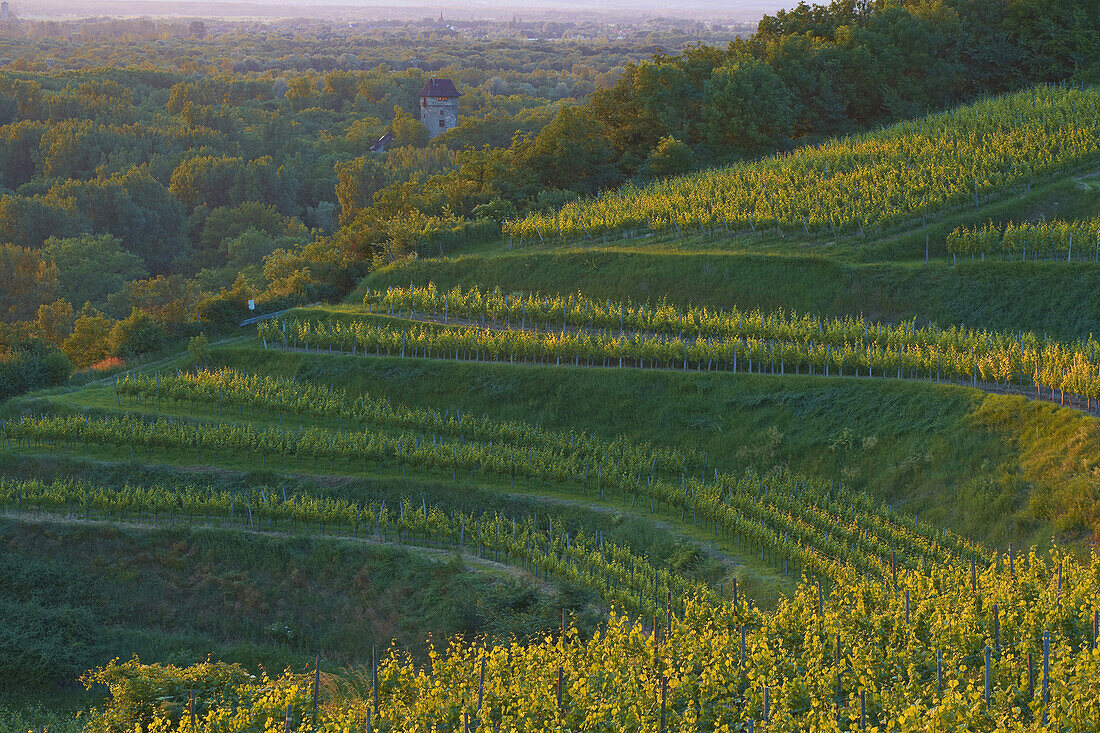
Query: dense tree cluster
point(140, 206)
point(818, 71)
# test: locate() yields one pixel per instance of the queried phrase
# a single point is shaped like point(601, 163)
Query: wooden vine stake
point(664, 698)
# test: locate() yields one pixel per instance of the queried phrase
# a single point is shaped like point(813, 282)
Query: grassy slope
point(883, 278)
point(662, 539)
point(74, 595)
point(671, 541)
point(993, 467)
point(1059, 299)
point(997, 468)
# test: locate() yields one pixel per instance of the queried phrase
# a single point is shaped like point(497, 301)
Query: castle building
point(439, 106)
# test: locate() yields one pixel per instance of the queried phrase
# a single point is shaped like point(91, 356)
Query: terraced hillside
point(715, 524)
point(706, 480)
point(674, 241)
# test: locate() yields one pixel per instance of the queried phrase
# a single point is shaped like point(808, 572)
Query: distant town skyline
point(715, 10)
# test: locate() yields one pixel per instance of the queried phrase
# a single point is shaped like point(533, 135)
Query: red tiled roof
point(439, 88)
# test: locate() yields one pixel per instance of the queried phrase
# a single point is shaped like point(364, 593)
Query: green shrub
point(31, 364)
point(137, 334)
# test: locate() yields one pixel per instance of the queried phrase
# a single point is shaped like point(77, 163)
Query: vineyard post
point(481, 685)
point(742, 646)
point(839, 671)
point(939, 669)
point(988, 677)
point(288, 719)
point(368, 729)
point(767, 705)
point(996, 627)
point(1046, 674)
point(664, 697)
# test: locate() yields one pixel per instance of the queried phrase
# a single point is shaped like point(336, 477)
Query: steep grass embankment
point(1061, 299)
point(75, 594)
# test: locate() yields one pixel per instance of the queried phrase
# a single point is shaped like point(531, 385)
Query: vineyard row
point(1053, 240)
point(906, 172)
point(1054, 368)
point(820, 529)
point(612, 571)
point(943, 649)
point(229, 390)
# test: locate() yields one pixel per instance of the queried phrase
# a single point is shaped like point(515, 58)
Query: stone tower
point(439, 106)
